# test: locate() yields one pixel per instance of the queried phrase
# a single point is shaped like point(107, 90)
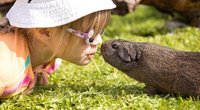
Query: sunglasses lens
point(91, 40)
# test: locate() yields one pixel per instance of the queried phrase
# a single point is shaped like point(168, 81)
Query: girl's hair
point(97, 21)
point(4, 25)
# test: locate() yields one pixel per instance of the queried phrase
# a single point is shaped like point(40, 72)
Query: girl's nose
point(97, 40)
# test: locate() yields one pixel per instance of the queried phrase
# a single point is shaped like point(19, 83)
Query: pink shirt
point(16, 73)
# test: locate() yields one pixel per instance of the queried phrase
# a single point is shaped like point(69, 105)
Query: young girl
point(36, 34)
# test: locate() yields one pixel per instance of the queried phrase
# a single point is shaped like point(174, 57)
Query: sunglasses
point(88, 36)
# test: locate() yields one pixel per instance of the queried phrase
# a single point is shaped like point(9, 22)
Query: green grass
point(104, 87)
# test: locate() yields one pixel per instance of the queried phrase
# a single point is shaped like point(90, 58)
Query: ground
point(98, 86)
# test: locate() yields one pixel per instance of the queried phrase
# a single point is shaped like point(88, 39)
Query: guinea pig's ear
point(134, 52)
point(129, 53)
point(123, 54)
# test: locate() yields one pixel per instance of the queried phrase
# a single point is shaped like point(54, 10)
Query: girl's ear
point(41, 34)
point(44, 33)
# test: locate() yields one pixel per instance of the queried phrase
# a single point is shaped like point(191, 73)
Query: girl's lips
point(91, 54)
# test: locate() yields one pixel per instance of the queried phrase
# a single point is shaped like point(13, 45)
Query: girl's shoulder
point(12, 45)
point(14, 58)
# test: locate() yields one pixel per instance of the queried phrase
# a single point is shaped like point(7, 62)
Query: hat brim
point(52, 13)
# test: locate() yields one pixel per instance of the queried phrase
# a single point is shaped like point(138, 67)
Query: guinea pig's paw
point(151, 90)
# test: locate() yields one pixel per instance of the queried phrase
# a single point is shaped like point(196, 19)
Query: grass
point(102, 87)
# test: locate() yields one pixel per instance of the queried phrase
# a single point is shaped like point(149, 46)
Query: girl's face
point(75, 47)
point(59, 42)
point(80, 53)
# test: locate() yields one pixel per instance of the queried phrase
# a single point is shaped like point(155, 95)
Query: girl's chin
point(84, 62)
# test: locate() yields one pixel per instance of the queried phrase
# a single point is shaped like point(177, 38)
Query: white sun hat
point(51, 13)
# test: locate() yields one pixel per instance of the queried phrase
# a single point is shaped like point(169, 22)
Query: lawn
point(98, 86)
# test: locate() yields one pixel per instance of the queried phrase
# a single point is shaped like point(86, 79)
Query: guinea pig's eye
point(114, 46)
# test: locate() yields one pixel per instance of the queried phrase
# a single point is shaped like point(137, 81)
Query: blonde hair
point(97, 21)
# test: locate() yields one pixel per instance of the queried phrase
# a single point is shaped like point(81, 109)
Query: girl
point(36, 34)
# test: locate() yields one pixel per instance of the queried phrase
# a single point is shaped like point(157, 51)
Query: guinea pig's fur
point(161, 69)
